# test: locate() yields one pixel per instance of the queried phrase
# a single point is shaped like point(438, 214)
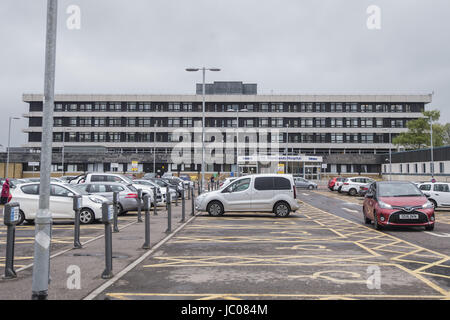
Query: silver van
point(257, 193)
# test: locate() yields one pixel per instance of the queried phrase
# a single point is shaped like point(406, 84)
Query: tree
point(418, 134)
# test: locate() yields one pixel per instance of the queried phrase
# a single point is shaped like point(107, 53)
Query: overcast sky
point(286, 46)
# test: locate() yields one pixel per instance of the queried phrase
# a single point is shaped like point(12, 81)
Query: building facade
point(346, 131)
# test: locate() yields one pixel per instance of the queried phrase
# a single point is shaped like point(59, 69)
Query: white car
point(163, 190)
point(61, 202)
point(338, 184)
point(113, 177)
point(352, 185)
point(438, 193)
point(257, 193)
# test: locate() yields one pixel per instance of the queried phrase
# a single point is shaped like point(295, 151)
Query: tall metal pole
point(390, 155)
point(286, 148)
point(43, 221)
point(62, 160)
point(203, 127)
point(237, 143)
point(432, 155)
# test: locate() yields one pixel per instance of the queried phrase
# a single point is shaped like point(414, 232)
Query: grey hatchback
point(127, 193)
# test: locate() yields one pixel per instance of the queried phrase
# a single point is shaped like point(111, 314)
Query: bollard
point(198, 188)
point(176, 199)
point(192, 202)
point(116, 210)
point(183, 207)
point(169, 212)
point(139, 201)
point(155, 202)
point(107, 217)
point(76, 232)
point(147, 207)
point(209, 187)
point(11, 218)
point(189, 192)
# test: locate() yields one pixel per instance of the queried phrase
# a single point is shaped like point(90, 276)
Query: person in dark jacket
point(5, 192)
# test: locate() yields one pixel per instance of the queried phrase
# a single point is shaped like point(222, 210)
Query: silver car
point(128, 194)
point(305, 184)
point(256, 193)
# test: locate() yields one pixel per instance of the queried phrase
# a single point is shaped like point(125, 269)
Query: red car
point(331, 183)
point(397, 204)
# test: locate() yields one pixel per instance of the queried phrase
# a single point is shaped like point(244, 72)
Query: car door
point(263, 193)
point(238, 195)
point(61, 202)
point(441, 194)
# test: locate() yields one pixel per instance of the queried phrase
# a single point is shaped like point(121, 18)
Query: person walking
point(5, 192)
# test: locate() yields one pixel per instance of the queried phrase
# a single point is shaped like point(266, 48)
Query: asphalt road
point(321, 252)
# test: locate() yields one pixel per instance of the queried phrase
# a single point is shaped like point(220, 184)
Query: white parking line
point(350, 210)
point(442, 235)
point(305, 194)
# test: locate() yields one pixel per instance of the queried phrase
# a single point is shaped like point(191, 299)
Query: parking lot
point(322, 251)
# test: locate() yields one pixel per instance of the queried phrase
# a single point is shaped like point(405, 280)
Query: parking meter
point(155, 202)
point(11, 217)
point(147, 207)
point(77, 209)
point(116, 210)
point(107, 218)
point(139, 200)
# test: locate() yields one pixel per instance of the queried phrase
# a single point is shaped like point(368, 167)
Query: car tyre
point(376, 225)
point(310, 187)
point(352, 192)
point(434, 203)
point(86, 216)
point(215, 209)
point(282, 209)
point(21, 217)
point(339, 190)
point(366, 220)
point(120, 210)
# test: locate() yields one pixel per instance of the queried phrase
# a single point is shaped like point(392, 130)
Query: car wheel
point(376, 225)
point(215, 209)
point(352, 192)
point(21, 217)
point(119, 209)
point(86, 216)
point(282, 209)
point(429, 228)
point(30, 221)
point(339, 189)
point(310, 187)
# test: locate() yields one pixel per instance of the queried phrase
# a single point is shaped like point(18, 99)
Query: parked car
point(331, 183)
point(338, 184)
point(163, 199)
point(149, 175)
point(257, 193)
point(363, 190)
point(175, 183)
point(351, 185)
point(187, 180)
point(438, 193)
point(305, 184)
point(396, 203)
point(61, 202)
point(113, 177)
point(127, 193)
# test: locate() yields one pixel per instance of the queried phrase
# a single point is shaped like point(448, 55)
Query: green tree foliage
point(418, 134)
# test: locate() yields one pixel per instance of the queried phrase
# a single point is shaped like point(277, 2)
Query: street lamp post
point(9, 144)
point(63, 146)
point(431, 143)
point(203, 69)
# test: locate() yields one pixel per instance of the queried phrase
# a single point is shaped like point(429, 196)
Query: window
point(116, 188)
point(58, 191)
point(425, 187)
point(441, 188)
point(240, 185)
point(98, 178)
point(94, 188)
point(441, 167)
point(30, 189)
point(264, 183)
point(281, 184)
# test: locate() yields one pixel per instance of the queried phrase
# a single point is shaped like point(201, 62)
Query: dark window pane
point(264, 183)
point(282, 184)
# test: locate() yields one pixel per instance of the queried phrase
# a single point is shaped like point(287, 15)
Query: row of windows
point(225, 123)
point(416, 168)
point(221, 107)
point(169, 137)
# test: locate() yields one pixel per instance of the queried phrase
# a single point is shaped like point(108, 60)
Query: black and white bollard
point(116, 210)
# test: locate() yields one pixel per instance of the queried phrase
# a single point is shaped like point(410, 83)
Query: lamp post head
point(214, 69)
point(192, 69)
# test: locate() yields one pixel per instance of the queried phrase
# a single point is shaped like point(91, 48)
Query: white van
point(258, 193)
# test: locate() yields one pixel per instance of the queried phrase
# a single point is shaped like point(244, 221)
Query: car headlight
point(384, 205)
point(96, 200)
point(428, 205)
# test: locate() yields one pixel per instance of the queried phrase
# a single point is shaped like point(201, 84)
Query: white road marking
point(350, 210)
point(442, 235)
point(305, 194)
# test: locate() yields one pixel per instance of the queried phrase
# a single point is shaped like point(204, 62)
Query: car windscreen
point(398, 190)
point(79, 188)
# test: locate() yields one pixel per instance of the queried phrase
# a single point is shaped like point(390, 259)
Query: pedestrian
point(5, 192)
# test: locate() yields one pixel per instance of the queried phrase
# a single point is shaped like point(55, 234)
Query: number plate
point(409, 216)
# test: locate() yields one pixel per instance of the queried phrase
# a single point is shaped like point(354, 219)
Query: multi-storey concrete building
point(341, 131)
